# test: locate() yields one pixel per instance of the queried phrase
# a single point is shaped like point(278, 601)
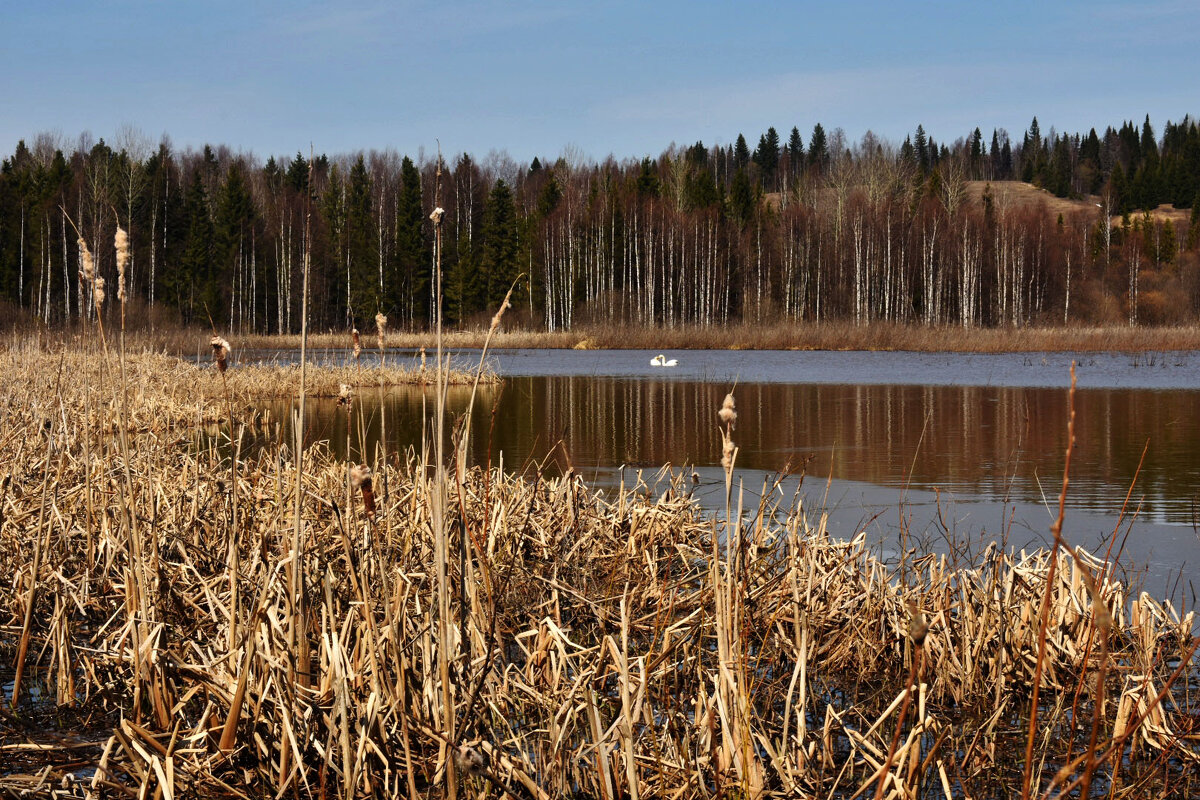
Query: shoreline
point(839, 337)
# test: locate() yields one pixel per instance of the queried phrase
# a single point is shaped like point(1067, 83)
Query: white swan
point(661, 361)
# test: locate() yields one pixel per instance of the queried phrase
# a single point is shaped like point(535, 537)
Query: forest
point(812, 229)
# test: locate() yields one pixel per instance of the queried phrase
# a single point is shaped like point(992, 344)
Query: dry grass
point(776, 336)
point(583, 655)
point(1017, 194)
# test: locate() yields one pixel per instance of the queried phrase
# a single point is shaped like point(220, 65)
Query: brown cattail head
point(499, 314)
point(121, 244)
point(357, 344)
point(470, 760)
point(436, 216)
point(727, 452)
point(87, 267)
point(360, 478)
point(727, 414)
point(380, 328)
point(918, 626)
point(500, 311)
point(422, 359)
point(221, 350)
point(98, 291)
point(345, 396)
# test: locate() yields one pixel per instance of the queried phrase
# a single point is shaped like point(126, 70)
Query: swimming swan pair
point(661, 361)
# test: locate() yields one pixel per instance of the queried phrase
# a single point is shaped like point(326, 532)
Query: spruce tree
point(921, 145)
point(767, 156)
point(499, 263)
point(818, 148)
point(741, 197)
point(408, 292)
point(231, 240)
point(185, 284)
point(795, 151)
point(648, 184)
point(297, 174)
point(741, 153)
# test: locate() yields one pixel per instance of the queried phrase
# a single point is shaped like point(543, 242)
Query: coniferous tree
point(818, 149)
point(297, 174)
point(648, 183)
point(975, 153)
point(407, 292)
point(499, 263)
point(795, 152)
point(362, 249)
point(231, 242)
point(766, 156)
point(741, 153)
point(333, 215)
point(741, 197)
point(921, 147)
point(191, 283)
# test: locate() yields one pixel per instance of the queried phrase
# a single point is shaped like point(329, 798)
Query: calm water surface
point(918, 449)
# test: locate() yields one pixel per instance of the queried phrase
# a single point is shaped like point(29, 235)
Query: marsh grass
point(587, 645)
point(769, 336)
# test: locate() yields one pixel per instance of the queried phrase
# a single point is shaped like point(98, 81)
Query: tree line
point(809, 229)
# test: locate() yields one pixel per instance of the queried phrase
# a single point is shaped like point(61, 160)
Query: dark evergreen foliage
point(695, 234)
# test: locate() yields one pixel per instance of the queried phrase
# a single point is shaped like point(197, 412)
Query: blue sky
point(591, 78)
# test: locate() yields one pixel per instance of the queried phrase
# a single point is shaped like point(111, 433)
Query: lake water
point(934, 451)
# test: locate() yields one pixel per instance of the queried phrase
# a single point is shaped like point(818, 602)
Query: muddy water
point(920, 450)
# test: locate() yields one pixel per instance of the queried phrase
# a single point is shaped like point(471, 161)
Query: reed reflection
point(992, 442)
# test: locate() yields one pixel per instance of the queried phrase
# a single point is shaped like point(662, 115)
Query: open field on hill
point(1020, 193)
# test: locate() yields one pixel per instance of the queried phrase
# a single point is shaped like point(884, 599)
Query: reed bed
point(767, 336)
point(171, 638)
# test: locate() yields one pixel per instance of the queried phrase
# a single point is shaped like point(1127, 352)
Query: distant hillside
point(1020, 193)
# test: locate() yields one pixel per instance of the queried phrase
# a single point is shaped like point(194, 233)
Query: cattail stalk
point(1044, 613)
point(441, 553)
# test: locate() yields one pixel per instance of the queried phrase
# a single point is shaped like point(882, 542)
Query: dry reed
point(771, 336)
point(596, 646)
